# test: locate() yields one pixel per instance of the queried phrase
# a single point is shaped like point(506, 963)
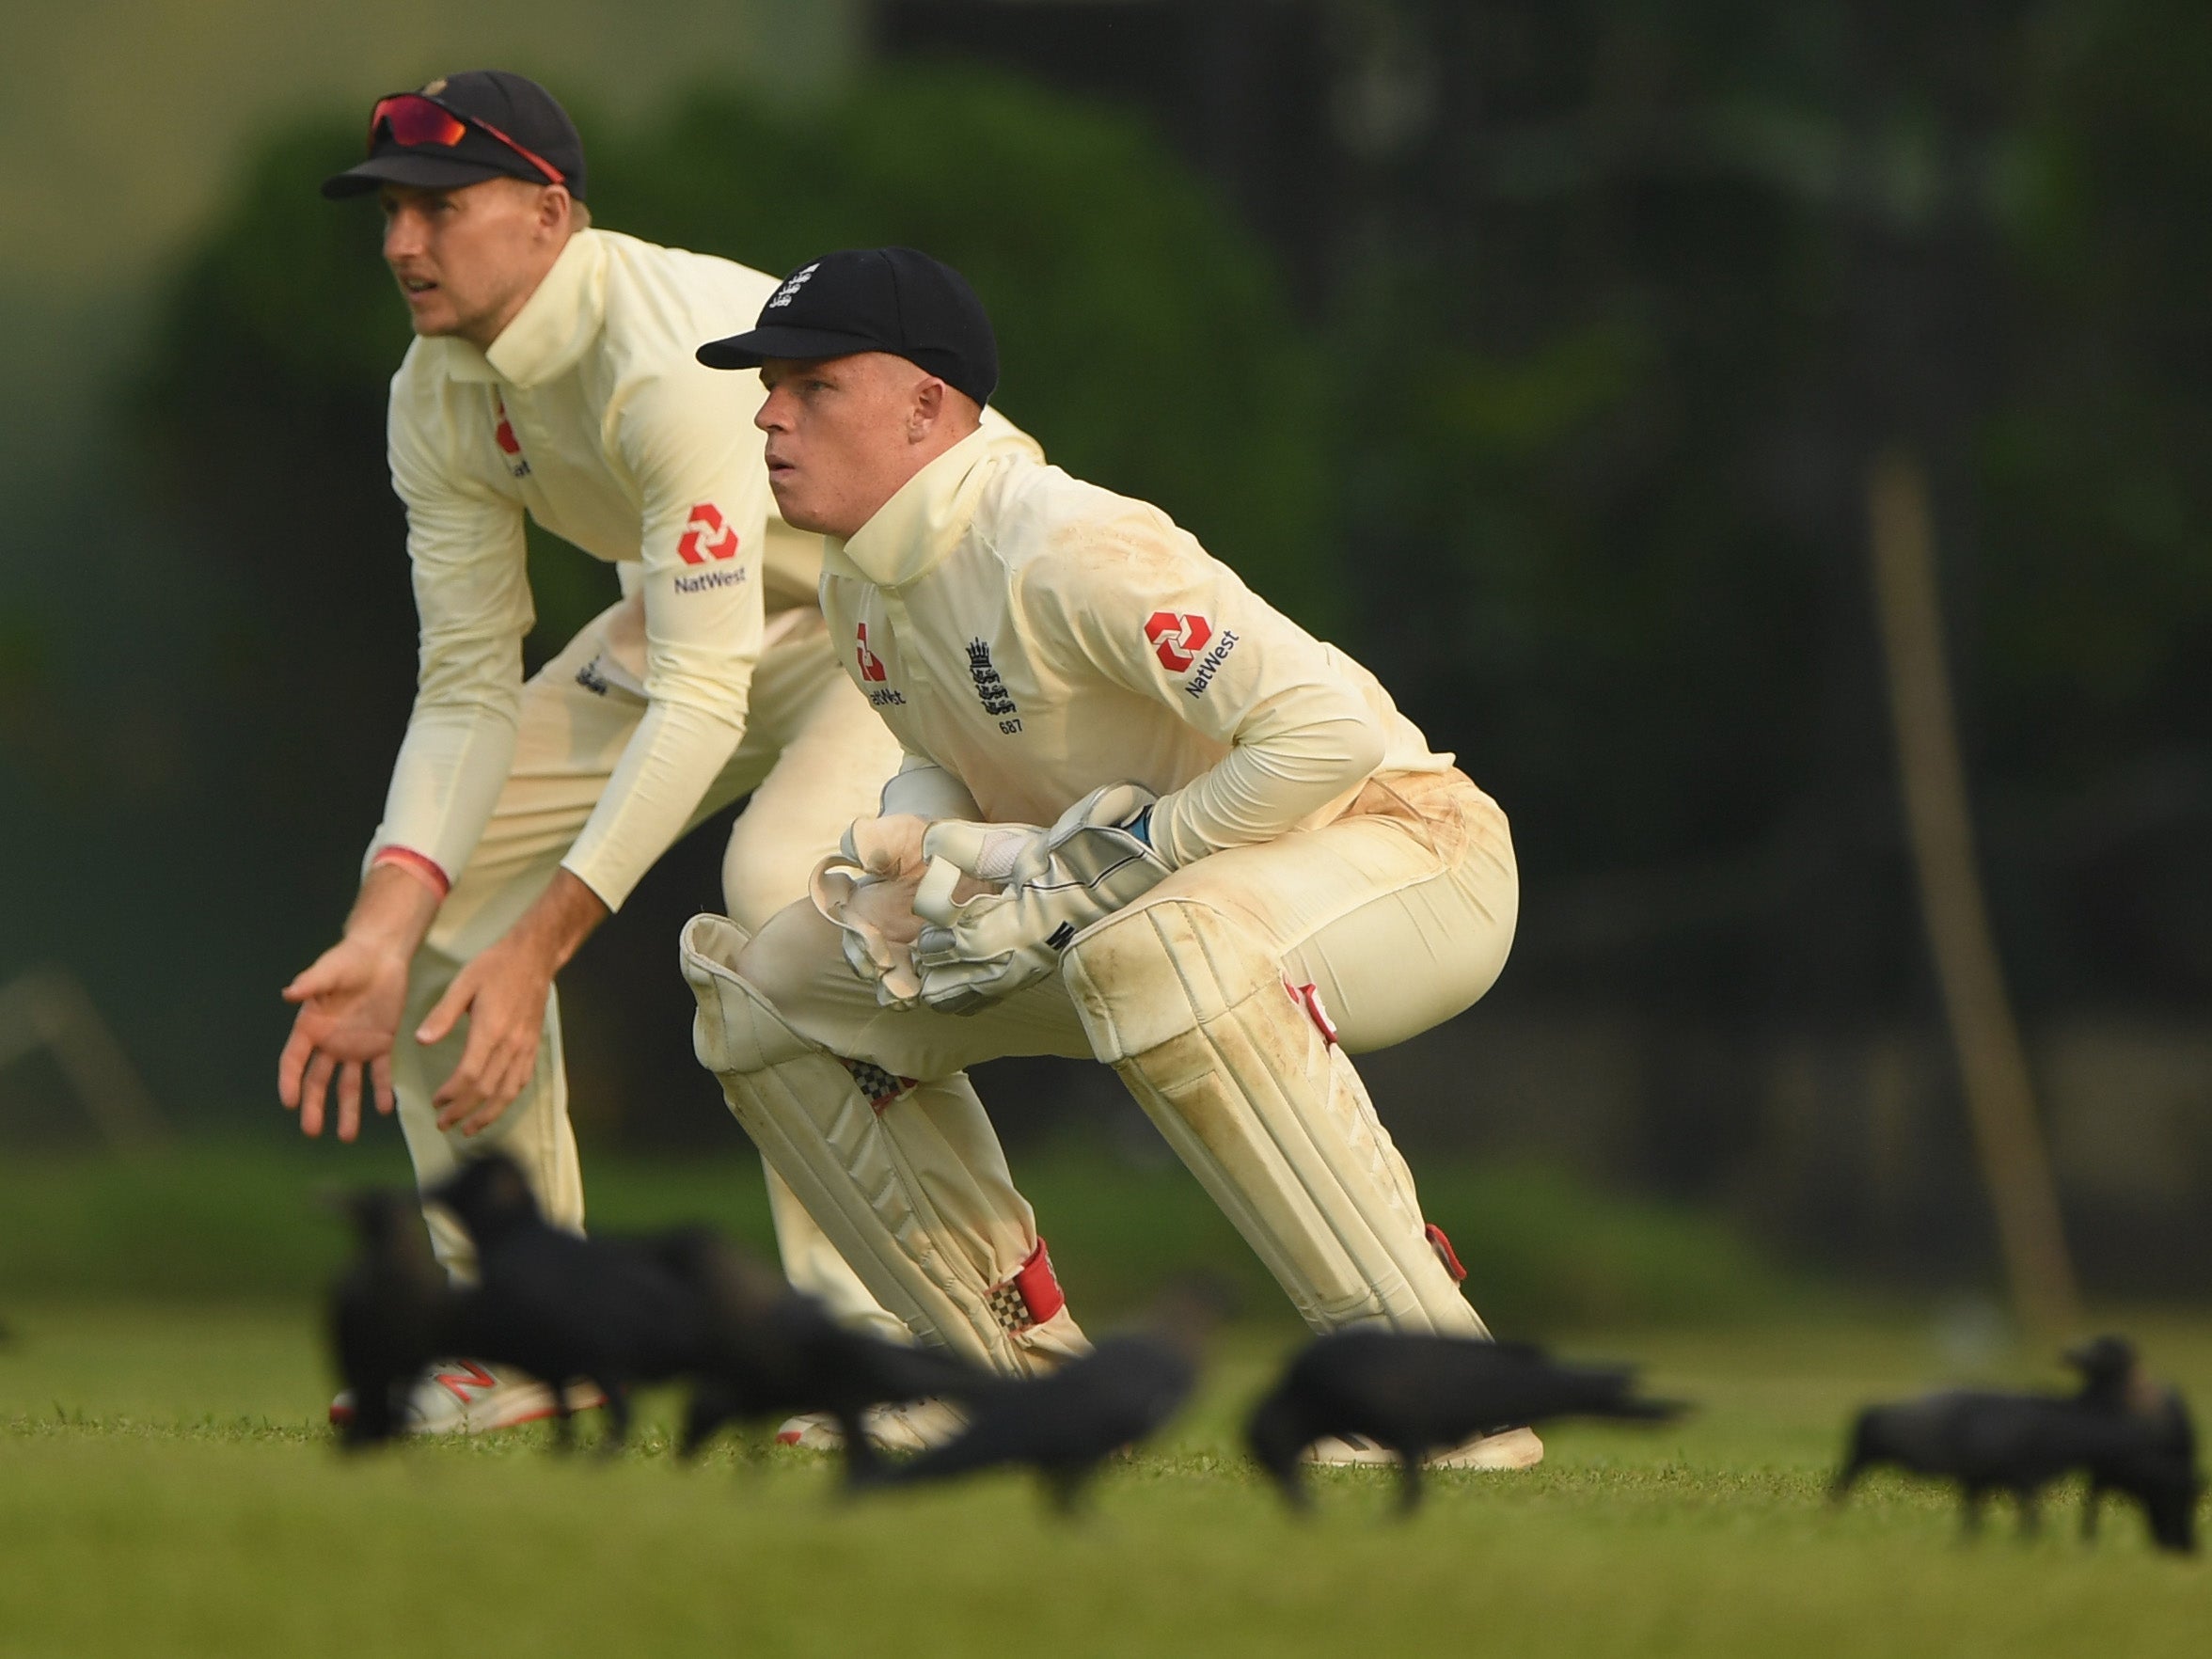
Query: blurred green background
point(1536, 352)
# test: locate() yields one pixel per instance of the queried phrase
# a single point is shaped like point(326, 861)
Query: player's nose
point(403, 237)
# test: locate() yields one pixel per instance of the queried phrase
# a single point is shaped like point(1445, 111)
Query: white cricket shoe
point(461, 1397)
point(916, 1425)
point(1509, 1448)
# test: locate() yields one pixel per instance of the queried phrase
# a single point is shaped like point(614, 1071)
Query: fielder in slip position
point(553, 376)
point(1142, 817)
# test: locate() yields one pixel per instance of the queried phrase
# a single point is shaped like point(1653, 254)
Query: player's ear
point(556, 209)
point(929, 408)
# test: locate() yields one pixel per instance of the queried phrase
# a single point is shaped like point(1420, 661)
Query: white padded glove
point(974, 951)
point(867, 890)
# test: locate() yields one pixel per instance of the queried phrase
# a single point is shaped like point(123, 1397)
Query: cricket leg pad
point(1239, 1071)
point(906, 1178)
point(811, 1264)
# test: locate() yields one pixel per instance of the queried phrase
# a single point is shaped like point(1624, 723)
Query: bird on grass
point(2113, 1380)
point(1415, 1394)
point(2127, 1434)
point(562, 1306)
point(1065, 1424)
point(770, 1352)
point(388, 1311)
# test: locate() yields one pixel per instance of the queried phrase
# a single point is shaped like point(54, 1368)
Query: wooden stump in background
point(1993, 1066)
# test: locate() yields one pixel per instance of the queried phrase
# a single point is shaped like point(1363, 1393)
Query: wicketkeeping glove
point(974, 951)
point(867, 889)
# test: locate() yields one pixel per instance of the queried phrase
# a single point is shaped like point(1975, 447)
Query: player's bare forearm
point(555, 927)
point(503, 993)
point(394, 911)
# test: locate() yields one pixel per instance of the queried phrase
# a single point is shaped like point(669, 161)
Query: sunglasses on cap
point(411, 118)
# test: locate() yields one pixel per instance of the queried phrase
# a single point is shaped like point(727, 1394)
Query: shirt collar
point(921, 523)
point(554, 328)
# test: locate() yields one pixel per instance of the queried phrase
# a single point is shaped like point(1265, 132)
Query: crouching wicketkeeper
point(1142, 817)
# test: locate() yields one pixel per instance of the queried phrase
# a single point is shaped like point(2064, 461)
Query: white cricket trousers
point(814, 758)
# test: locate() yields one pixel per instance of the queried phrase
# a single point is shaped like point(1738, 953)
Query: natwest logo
point(871, 665)
point(1177, 637)
point(510, 446)
point(706, 536)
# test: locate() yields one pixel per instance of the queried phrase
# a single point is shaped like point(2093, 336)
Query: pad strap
point(1032, 1296)
point(1309, 996)
point(1444, 1253)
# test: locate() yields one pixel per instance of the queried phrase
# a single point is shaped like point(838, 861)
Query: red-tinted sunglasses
point(412, 119)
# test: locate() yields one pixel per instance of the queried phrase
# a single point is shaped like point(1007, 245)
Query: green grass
point(165, 1488)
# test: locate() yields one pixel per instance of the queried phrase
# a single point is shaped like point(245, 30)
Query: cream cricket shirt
point(591, 415)
point(1036, 637)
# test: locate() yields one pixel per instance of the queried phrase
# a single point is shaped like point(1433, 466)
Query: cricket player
point(553, 375)
point(1141, 817)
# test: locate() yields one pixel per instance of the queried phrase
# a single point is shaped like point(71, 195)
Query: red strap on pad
point(1309, 996)
point(1032, 1296)
point(1444, 1253)
point(1040, 1285)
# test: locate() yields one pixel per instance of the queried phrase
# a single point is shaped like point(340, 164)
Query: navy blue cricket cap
point(873, 299)
point(464, 129)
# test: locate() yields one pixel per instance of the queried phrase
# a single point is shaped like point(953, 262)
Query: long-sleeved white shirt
point(1029, 637)
point(591, 415)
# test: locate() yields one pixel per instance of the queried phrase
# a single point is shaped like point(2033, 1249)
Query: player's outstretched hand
point(349, 1002)
point(503, 993)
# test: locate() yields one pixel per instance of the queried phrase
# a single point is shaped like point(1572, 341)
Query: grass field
point(165, 1488)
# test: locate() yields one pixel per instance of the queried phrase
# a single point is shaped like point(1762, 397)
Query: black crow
point(1415, 1394)
point(770, 1352)
point(2152, 1460)
point(390, 1312)
point(2111, 1375)
point(2113, 1380)
point(562, 1306)
point(2125, 1434)
point(1064, 1424)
